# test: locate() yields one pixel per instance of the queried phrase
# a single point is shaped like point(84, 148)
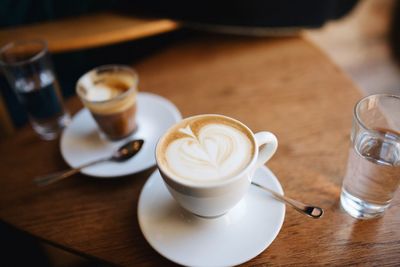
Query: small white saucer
point(81, 141)
point(236, 237)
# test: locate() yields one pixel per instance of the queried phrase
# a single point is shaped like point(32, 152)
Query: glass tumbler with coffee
point(109, 92)
point(28, 69)
point(373, 168)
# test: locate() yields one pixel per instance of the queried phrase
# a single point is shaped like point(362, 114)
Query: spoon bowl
point(127, 150)
point(311, 211)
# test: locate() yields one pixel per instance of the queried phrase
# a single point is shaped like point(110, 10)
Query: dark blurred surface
point(18, 249)
point(21, 249)
point(394, 32)
point(256, 13)
point(22, 12)
point(251, 13)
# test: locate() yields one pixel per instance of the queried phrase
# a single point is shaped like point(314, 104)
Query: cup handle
point(267, 144)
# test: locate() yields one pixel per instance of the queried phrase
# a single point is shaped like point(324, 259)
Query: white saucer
point(81, 142)
point(236, 237)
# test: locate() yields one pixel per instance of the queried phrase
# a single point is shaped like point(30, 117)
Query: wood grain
point(286, 86)
point(6, 126)
point(88, 31)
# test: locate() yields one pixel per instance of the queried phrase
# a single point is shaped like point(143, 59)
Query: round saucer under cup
point(82, 143)
point(236, 237)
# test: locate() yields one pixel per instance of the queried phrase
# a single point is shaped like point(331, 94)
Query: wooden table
point(286, 86)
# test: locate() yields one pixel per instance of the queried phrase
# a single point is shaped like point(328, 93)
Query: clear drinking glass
point(29, 71)
point(373, 168)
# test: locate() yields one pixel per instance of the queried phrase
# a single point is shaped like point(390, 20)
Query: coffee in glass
point(109, 92)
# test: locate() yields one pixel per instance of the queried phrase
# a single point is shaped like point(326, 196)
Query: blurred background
point(361, 37)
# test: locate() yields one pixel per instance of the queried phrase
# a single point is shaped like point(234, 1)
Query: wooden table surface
point(286, 86)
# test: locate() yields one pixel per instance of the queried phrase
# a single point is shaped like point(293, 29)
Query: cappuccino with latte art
point(207, 162)
point(206, 149)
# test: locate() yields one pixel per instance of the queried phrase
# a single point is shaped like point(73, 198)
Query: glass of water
point(373, 168)
point(28, 69)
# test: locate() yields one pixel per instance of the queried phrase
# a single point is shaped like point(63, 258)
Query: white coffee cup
point(214, 198)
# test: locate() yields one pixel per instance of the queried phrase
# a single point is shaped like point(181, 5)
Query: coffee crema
point(206, 148)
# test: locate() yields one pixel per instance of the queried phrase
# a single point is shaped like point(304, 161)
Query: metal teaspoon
point(309, 210)
point(125, 152)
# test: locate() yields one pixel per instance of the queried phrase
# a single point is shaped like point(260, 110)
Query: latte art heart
point(215, 152)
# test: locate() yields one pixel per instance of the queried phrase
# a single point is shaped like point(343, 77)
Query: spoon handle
point(309, 210)
point(57, 176)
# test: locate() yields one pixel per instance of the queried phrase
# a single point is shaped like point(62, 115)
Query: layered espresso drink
point(109, 92)
point(205, 150)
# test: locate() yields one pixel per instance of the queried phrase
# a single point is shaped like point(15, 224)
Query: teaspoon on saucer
point(124, 153)
point(309, 210)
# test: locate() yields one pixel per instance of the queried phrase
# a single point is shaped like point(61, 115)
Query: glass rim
point(105, 67)
point(359, 102)
point(31, 59)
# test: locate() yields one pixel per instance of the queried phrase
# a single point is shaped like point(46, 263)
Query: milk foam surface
point(98, 91)
point(214, 152)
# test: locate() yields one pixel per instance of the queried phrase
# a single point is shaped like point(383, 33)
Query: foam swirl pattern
point(214, 153)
